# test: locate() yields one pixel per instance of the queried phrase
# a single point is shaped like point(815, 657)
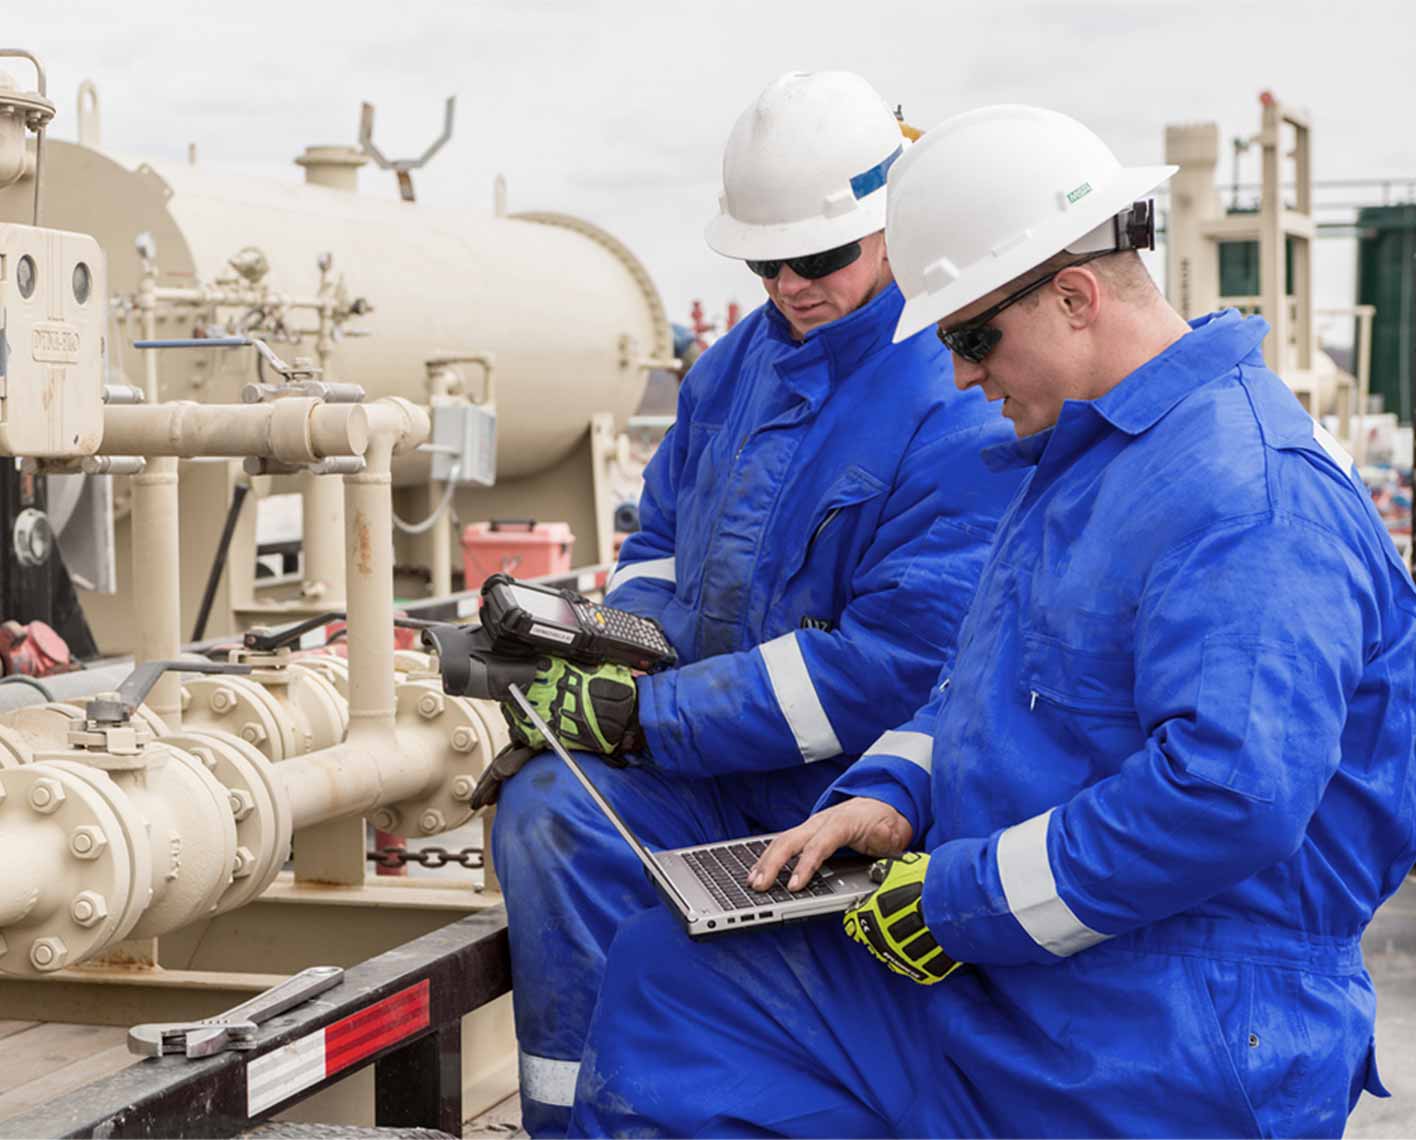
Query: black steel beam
point(465, 964)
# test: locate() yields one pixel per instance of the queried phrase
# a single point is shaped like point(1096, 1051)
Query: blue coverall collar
point(843, 344)
point(1218, 342)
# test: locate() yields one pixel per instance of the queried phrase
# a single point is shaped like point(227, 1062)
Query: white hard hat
point(804, 169)
point(989, 194)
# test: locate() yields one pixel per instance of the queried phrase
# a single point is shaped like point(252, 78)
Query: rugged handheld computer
point(519, 617)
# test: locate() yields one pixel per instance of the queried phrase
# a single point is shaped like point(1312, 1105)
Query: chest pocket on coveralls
point(1081, 680)
point(816, 577)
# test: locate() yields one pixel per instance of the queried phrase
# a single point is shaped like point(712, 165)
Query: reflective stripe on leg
point(547, 1080)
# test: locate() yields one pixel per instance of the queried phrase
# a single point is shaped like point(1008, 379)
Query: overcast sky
point(617, 110)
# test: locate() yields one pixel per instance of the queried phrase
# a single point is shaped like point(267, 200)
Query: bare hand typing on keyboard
point(865, 825)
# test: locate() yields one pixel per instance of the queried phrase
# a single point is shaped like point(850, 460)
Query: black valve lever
point(137, 684)
point(268, 640)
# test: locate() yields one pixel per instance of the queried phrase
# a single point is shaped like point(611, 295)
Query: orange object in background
point(522, 548)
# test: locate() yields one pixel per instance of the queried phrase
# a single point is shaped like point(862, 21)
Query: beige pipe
point(395, 427)
point(354, 778)
point(157, 573)
point(322, 529)
point(292, 430)
point(369, 769)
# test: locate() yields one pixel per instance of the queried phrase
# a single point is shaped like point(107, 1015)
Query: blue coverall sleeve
point(1249, 643)
point(896, 768)
point(644, 578)
point(816, 694)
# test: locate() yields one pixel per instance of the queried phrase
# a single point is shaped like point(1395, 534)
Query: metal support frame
point(417, 1062)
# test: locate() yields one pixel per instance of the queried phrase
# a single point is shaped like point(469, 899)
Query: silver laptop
point(706, 885)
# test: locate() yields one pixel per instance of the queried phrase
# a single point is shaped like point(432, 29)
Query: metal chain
point(433, 857)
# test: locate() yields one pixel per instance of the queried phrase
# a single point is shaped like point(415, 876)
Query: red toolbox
point(523, 548)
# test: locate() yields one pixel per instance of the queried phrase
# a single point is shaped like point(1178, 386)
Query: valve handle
point(267, 641)
point(137, 684)
point(266, 352)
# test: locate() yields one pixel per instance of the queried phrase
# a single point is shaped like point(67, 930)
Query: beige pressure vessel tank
point(571, 314)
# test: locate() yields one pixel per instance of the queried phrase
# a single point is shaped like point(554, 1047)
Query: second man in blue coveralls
point(813, 529)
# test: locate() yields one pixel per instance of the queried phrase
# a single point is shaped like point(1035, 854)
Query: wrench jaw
point(190, 1038)
point(236, 1028)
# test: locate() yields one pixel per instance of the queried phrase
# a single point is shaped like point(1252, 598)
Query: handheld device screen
point(546, 607)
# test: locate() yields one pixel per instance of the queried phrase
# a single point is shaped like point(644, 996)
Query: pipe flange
point(410, 661)
point(244, 708)
point(14, 748)
point(265, 829)
point(333, 669)
point(290, 438)
point(110, 874)
point(197, 807)
point(464, 734)
point(44, 728)
point(317, 702)
point(136, 835)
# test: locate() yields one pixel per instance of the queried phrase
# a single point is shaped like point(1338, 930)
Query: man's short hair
point(1122, 274)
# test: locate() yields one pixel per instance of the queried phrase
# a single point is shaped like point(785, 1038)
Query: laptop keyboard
point(723, 871)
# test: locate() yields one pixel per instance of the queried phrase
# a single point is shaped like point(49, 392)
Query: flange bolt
point(462, 788)
point(463, 739)
point(432, 821)
point(430, 705)
point(222, 699)
point(87, 842)
point(88, 908)
point(46, 795)
point(242, 803)
point(48, 953)
point(385, 819)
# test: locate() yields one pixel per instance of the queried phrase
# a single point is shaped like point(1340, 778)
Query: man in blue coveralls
point(1171, 766)
point(813, 529)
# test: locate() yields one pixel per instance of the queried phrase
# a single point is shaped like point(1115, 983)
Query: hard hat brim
point(978, 280)
point(743, 241)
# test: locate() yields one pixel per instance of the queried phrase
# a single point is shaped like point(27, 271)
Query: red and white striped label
point(311, 1059)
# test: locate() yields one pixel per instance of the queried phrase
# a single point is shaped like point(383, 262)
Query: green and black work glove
point(889, 924)
point(590, 708)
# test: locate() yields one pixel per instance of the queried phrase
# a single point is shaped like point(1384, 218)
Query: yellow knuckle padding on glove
point(889, 924)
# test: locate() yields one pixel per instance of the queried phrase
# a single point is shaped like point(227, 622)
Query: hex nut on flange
point(462, 788)
point(242, 803)
point(253, 733)
point(87, 842)
point(48, 953)
point(88, 908)
point(46, 795)
point(432, 821)
point(385, 819)
point(245, 863)
point(431, 705)
point(222, 699)
point(463, 739)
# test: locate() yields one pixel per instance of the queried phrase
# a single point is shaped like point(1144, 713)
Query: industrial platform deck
point(42, 1062)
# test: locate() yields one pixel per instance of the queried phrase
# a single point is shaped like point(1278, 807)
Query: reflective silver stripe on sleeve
point(660, 569)
point(796, 697)
point(916, 747)
point(548, 1081)
point(1031, 890)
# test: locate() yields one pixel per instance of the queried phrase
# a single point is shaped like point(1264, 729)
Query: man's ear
point(1078, 292)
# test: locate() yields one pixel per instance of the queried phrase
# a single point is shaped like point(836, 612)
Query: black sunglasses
point(813, 265)
point(978, 338)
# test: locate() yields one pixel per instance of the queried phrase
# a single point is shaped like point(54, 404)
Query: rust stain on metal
point(363, 544)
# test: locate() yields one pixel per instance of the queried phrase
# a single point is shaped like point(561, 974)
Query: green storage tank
point(1386, 278)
